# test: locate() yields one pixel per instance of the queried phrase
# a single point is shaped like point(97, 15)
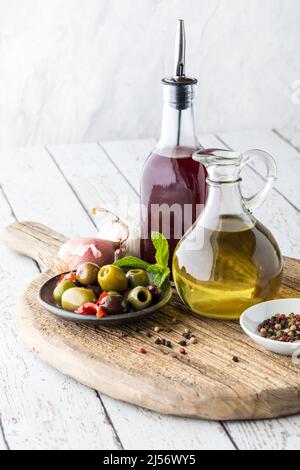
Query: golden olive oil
point(220, 273)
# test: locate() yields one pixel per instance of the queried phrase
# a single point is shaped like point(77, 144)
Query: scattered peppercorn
point(182, 343)
point(182, 351)
point(187, 335)
point(158, 341)
point(143, 351)
point(168, 344)
point(122, 334)
point(282, 328)
point(163, 342)
point(193, 340)
point(157, 329)
point(235, 359)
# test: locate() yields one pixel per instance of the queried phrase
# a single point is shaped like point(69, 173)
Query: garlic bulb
point(113, 241)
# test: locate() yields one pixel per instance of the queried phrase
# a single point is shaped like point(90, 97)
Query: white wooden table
point(39, 407)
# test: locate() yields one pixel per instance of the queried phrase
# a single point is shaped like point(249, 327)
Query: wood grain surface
point(205, 383)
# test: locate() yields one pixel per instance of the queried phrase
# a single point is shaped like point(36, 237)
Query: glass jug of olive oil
point(228, 261)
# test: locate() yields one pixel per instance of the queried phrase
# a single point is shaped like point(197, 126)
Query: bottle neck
point(178, 128)
point(225, 200)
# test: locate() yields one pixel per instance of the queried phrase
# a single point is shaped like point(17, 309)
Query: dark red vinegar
point(171, 177)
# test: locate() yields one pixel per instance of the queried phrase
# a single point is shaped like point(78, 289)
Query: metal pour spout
point(180, 50)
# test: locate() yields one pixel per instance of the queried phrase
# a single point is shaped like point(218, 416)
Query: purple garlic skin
point(91, 250)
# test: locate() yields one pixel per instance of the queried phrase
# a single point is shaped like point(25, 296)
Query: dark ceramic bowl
point(45, 298)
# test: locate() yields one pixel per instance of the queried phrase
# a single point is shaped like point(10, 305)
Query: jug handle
point(250, 157)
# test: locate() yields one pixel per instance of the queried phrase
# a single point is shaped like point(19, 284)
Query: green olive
point(75, 298)
point(112, 278)
point(87, 274)
point(137, 278)
point(61, 288)
point(140, 298)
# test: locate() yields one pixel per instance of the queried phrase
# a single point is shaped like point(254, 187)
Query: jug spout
point(223, 166)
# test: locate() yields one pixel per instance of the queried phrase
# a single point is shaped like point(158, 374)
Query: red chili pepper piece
point(60, 279)
point(143, 351)
point(102, 296)
point(87, 309)
point(182, 351)
point(67, 277)
point(100, 313)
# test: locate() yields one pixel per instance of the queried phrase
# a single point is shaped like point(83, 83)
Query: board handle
point(35, 241)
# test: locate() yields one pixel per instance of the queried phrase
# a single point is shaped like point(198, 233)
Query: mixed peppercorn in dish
point(281, 327)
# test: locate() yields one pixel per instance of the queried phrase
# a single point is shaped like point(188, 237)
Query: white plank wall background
point(57, 186)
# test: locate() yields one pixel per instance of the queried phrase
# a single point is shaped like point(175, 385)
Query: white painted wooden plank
point(36, 189)
point(141, 429)
point(284, 221)
point(287, 157)
point(40, 408)
point(136, 427)
point(3, 445)
point(263, 139)
point(291, 135)
point(94, 177)
point(279, 434)
point(129, 157)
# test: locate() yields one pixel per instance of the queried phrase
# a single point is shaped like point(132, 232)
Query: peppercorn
point(187, 335)
point(182, 351)
point(143, 351)
point(157, 329)
point(122, 334)
point(235, 359)
point(168, 344)
point(158, 341)
point(281, 327)
point(193, 340)
point(182, 343)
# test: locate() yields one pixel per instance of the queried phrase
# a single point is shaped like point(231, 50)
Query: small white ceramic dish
point(254, 316)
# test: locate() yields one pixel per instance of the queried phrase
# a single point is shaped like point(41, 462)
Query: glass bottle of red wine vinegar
point(173, 185)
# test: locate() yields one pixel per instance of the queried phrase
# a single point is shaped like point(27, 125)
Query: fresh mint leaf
point(131, 262)
point(161, 278)
point(155, 269)
point(162, 249)
point(160, 270)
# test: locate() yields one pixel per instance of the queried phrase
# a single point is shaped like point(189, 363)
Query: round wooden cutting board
point(206, 383)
